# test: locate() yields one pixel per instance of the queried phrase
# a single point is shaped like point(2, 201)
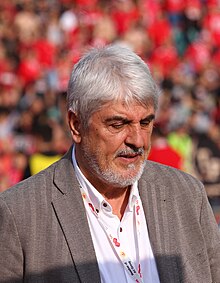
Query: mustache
point(130, 152)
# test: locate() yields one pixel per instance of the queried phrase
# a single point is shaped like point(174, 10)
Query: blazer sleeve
point(11, 256)
point(212, 237)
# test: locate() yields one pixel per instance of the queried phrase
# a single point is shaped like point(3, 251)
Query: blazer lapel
point(69, 208)
point(156, 205)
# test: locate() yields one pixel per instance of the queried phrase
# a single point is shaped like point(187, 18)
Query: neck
point(118, 199)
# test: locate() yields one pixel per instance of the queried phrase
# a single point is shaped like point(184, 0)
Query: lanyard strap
point(129, 266)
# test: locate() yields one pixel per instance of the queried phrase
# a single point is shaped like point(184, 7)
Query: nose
point(136, 136)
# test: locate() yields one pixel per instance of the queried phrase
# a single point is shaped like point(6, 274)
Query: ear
point(74, 125)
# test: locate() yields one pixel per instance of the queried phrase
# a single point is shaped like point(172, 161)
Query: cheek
point(110, 145)
point(111, 142)
point(147, 139)
point(117, 142)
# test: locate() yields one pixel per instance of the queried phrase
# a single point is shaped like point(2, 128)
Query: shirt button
point(120, 229)
point(105, 204)
point(97, 210)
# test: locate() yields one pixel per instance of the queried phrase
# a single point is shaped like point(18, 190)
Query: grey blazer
point(45, 237)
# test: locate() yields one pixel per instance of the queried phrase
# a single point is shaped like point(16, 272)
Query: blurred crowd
point(40, 41)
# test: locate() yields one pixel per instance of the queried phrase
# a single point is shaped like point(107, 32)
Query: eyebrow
point(116, 118)
point(149, 117)
point(125, 120)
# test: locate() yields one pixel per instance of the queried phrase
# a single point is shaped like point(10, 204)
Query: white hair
point(108, 74)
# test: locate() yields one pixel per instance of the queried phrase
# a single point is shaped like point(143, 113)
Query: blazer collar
point(69, 208)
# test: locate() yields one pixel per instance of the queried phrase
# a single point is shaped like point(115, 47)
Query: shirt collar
point(96, 198)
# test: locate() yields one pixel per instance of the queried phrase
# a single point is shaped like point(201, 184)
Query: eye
point(145, 124)
point(117, 126)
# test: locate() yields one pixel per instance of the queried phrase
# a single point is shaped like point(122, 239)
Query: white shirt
point(136, 242)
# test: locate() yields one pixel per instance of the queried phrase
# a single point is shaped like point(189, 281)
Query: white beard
point(110, 176)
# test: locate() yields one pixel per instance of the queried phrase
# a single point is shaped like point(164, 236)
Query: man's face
point(113, 150)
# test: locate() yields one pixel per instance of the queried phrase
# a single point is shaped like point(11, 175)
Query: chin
point(122, 183)
point(123, 178)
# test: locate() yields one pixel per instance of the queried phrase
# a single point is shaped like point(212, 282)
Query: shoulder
point(28, 188)
point(162, 172)
point(36, 186)
point(171, 178)
point(41, 182)
point(172, 188)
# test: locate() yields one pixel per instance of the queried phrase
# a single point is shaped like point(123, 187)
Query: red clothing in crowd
point(174, 6)
point(45, 52)
point(161, 152)
point(164, 59)
point(198, 54)
point(84, 3)
point(124, 19)
point(29, 69)
point(160, 31)
point(216, 57)
point(211, 24)
point(193, 4)
point(150, 11)
point(212, 3)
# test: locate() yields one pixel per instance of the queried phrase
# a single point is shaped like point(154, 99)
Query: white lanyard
point(129, 266)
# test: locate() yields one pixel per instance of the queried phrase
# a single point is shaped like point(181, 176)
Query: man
point(103, 213)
